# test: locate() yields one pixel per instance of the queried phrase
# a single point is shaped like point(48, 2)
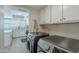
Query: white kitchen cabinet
point(42, 12)
point(45, 15)
point(56, 14)
point(70, 13)
point(1, 10)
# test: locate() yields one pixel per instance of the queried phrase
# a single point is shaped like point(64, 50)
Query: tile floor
point(16, 47)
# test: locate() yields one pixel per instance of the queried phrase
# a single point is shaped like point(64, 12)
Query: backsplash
point(68, 30)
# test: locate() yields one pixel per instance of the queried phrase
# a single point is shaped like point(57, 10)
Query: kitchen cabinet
point(1, 10)
point(56, 14)
point(51, 14)
point(45, 15)
point(42, 12)
point(70, 13)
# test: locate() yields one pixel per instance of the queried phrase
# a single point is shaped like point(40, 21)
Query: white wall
point(68, 30)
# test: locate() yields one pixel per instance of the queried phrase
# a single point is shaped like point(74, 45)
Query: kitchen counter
point(39, 34)
point(69, 44)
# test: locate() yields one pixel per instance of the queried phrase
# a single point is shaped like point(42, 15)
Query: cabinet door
point(47, 15)
point(70, 13)
point(56, 13)
point(42, 13)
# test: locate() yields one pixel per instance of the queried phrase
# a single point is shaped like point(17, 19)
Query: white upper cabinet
point(59, 14)
point(1, 10)
point(45, 15)
point(42, 13)
point(70, 13)
point(56, 13)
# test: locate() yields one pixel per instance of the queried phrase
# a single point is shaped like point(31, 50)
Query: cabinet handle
point(60, 19)
point(64, 18)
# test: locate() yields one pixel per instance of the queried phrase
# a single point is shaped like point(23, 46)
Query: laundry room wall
point(67, 30)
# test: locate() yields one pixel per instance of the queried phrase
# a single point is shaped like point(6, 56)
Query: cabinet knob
point(64, 18)
point(60, 19)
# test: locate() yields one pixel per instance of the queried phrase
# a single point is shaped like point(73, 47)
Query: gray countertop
point(64, 42)
point(39, 33)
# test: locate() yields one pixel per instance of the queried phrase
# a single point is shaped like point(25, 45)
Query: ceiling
point(37, 7)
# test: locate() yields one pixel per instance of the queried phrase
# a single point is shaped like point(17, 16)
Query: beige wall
point(68, 30)
point(34, 15)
